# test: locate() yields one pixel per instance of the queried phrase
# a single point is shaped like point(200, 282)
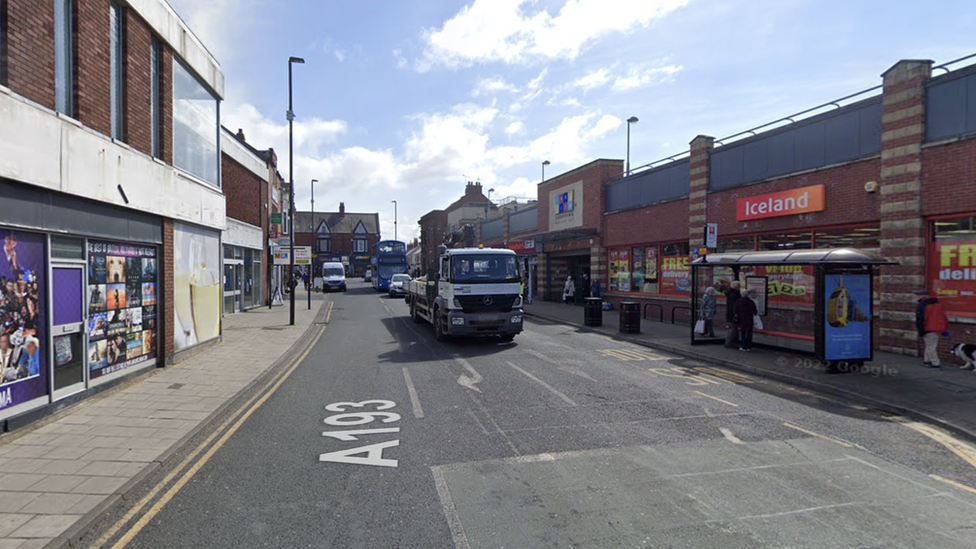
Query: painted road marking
point(328, 314)
point(734, 377)
point(374, 452)
point(568, 369)
point(630, 355)
point(548, 387)
point(818, 435)
point(241, 416)
point(690, 377)
point(465, 381)
point(418, 412)
point(450, 511)
point(951, 482)
point(966, 452)
point(727, 433)
point(718, 399)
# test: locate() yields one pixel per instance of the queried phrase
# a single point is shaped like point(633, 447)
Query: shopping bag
point(757, 322)
point(700, 326)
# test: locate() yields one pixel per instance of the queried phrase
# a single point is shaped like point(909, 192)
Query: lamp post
point(489, 194)
point(291, 192)
point(544, 164)
point(394, 219)
point(630, 121)
point(311, 267)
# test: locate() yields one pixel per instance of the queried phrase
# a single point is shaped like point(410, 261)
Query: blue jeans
point(745, 339)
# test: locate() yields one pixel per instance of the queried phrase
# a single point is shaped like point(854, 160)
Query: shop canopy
point(824, 256)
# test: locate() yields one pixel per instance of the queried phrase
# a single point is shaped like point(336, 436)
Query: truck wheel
point(415, 314)
point(439, 334)
point(507, 337)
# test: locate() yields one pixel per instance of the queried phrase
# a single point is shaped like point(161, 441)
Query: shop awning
point(824, 256)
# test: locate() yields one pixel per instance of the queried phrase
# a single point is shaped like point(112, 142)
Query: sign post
point(303, 256)
point(711, 235)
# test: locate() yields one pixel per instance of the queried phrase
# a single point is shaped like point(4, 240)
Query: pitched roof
point(338, 223)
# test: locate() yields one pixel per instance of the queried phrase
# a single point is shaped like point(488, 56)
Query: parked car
point(333, 277)
point(368, 276)
point(397, 285)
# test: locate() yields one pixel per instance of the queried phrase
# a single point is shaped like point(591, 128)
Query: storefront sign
point(792, 202)
point(675, 276)
point(847, 317)
point(276, 218)
point(522, 246)
point(122, 290)
point(953, 275)
point(23, 322)
point(566, 207)
point(303, 255)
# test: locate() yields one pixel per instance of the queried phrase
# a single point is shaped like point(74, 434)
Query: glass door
point(68, 329)
point(232, 285)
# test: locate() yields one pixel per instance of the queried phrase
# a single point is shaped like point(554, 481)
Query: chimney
point(240, 135)
point(473, 188)
point(342, 208)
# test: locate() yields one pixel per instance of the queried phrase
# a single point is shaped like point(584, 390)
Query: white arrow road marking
point(568, 369)
point(729, 436)
point(469, 381)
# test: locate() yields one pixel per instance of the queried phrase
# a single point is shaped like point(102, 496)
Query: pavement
point(60, 474)
point(891, 383)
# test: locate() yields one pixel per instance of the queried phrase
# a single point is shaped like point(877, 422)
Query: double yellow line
point(189, 467)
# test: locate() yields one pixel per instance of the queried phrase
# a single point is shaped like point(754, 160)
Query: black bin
point(593, 311)
point(630, 317)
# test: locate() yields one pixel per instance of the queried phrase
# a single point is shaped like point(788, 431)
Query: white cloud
point(511, 32)
point(493, 85)
point(591, 80)
point(208, 21)
point(515, 128)
point(636, 78)
point(310, 135)
point(401, 61)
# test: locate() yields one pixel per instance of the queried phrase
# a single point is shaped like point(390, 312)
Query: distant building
point(472, 208)
point(341, 236)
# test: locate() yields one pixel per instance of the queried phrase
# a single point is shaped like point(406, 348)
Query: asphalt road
point(560, 439)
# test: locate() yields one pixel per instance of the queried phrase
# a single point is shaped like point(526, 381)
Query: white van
point(333, 277)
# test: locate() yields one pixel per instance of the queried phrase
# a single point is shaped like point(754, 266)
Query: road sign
point(303, 255)
point(281, 257)
point(284, 241)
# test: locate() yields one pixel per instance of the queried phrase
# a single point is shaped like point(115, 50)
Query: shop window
point(952, 264)
point(645, 269)
point(195, 127)
point(788, 241)
point(619, 270)
point(865, 238)
point(679, 248)
point(67, 248)
point(675, 274)
point(737, 244)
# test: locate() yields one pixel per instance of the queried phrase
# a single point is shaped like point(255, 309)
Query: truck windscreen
point(486, 268)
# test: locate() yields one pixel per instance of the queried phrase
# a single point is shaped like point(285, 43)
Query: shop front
point(951, 261)
point(243, 267)
point(567, 256)
point(197, 288)
point(525, 249)
point(357, 264)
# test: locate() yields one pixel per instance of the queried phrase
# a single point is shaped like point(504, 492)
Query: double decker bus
point(389, 258)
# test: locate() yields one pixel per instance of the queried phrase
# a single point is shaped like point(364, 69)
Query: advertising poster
point(953, 275)
point(197, 292)
point(23, 354)
point(847, 317)
point(650, 264)
point(788, 284)
point(638, 271)
point(759, 286)
point(675, 276)
point(619, 270)
point(117, 276)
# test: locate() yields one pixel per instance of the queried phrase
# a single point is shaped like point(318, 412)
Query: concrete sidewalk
point(892, 383)
point(60, 476)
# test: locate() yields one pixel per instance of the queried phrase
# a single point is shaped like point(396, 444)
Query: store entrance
point(233, 285)
point(68, 329)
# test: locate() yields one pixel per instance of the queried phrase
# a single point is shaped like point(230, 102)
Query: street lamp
point(630, 121)
point(291, 190)
point(544, 164)
point(489, 194)
point(311, 275)
point(394, 219)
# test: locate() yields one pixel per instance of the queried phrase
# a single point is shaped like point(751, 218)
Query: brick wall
point(92, 61)
point(700, 162)
point(138, 85)
point(949, 178)
point(244, 190)
point(29, 49)
point(667, 222)
point(166, 295)
point(594, 176)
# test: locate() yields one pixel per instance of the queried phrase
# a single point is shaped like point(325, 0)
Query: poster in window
point(847, 317)
point(23, 287)
point(117, 303)
point(787, 284)
point(675, 275)
point(953, 275)
point(638, 269)
point(759, 286)
point(650, 264)
point(619, 270)
point(197, 291)
point(62, 350)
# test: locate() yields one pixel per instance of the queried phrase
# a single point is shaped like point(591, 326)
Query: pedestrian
point(569, 290)
point(595, 288)
point(707, 311)
point(745, 311)
point(732, 296)
point(931, 321)
point(585, 286)
point(305, 279)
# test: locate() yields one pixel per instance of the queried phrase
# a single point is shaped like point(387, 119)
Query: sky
point(407, 100)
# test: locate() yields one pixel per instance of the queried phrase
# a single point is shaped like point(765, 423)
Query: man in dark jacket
point(732, 296)
point(745, 309)
point(930, 321)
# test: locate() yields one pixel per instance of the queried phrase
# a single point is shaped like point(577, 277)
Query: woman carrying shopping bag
point(707, 312)
point(569, 290)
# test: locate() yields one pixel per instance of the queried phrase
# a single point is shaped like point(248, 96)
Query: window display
point(952, 265)
point(23, 353)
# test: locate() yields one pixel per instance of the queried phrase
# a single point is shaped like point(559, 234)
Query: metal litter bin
point(630, 317)
point(593, 311)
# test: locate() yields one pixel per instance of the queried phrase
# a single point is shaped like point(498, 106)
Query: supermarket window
point(952, 264)
point(738, 244)
point(789, 241)
point(865, 238)
point(619, 273)
point(675, 275)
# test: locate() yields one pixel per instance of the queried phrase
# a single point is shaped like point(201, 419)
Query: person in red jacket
point(930, 321)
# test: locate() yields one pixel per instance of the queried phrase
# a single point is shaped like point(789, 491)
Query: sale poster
point(953, 275)
point(675, 275)
point(620, 270)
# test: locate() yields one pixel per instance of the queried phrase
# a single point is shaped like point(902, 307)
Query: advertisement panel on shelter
point(196, 285)
point(953, 275)
point(786, 285)
point(122, 297)
point(23, 352)
point(675, 275)
point(847, 317)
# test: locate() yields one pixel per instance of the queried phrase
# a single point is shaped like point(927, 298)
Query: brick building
point(110, 170)
point(340, 236)
point(470, 209)
point(893, 172)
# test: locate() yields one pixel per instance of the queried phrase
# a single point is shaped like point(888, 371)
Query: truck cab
point(478, 292)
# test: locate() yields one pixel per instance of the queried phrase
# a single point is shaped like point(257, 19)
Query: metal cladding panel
point(669, 182)
point(950, 106)
point(492, 229)
point(523, 221)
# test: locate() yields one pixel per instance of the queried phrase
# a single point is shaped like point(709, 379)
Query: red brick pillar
point(700, 163)
point(902, 225)
point(165, 292)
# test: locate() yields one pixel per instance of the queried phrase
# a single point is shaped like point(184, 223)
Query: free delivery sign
point(792, 202)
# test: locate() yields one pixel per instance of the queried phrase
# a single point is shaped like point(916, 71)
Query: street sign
point(281, 257)
point(303, 255)
point(276, 218)
point(284, 241)
point(711, 235)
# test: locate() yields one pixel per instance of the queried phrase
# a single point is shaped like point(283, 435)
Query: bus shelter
point(818, 301)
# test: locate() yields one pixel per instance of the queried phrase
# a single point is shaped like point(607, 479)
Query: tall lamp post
point(291, 191)
point(394, 219)
point(630, 121)
point(311, 280)
point(544, 164)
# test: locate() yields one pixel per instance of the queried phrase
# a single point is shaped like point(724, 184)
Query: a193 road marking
point(344, 418)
